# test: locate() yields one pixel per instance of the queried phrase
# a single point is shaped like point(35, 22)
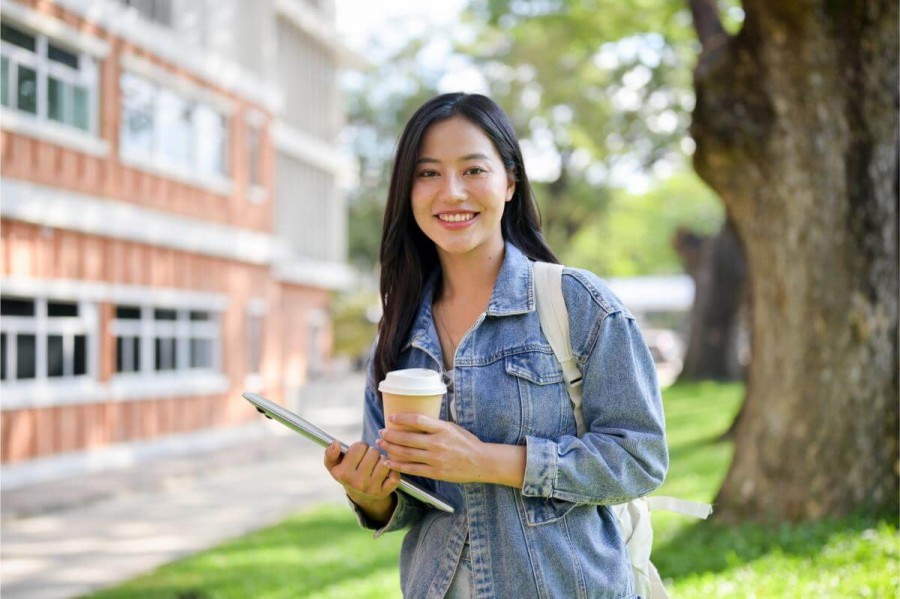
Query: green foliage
point(634, 235)
point(355, 323)
point(599, 91)
point(851, 557)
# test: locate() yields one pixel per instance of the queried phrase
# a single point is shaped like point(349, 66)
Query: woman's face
point(460, 188)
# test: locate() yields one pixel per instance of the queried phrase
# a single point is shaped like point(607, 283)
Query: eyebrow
point(476, 156)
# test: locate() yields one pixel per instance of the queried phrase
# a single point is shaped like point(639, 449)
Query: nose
point(453, 188)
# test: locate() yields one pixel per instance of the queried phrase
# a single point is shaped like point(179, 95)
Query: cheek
point(421, 210)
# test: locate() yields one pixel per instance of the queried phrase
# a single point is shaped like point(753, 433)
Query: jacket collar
point(513, 294)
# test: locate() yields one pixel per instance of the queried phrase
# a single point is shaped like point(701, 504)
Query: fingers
point(416, 422)
point(361, 470)
point(404, 453)
point(407, 439)
point(391, 482)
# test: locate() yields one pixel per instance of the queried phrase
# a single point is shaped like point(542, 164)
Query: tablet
point(273, 411)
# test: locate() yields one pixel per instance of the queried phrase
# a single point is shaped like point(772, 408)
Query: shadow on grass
point(711, 547)
point(307, 554)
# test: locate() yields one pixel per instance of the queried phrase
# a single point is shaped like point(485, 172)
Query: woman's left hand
point(424, 446)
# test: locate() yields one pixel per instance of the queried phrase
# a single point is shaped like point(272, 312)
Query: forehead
point(456, 137)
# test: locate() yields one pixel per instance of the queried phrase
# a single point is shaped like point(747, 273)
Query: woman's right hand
point(365, 478)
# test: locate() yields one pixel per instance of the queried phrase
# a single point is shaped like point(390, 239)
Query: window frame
point(42, 326)
point(189, 168)
point(148, 330)
point(87, 75)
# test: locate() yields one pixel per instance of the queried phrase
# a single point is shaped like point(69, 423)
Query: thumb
point(332, 455)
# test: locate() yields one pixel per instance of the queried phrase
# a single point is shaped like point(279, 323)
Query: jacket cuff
point(540, 467)
point(406, 511)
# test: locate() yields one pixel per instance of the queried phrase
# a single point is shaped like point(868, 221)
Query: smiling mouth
point(457, 218)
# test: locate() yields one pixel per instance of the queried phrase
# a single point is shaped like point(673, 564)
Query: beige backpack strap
point(680, 506)
point(554, 315)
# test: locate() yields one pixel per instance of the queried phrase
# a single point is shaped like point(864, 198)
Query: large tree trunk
point(719, 272)
point(796, 128)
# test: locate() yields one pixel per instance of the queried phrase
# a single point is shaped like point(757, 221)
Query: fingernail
point(381, 432)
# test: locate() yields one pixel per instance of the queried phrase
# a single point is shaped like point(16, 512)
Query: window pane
point(62, 309)
point(165, 314)
point(138, 101)
point(120, 355)
point(136, 353)
point(17, 37)
point(56, 99)
point(253, 155)
point(201, 353)
point(254, 343)
point(55, 355)
point(198, 315)
point(25, 357)
point(80, 366)
point(128, 313)
point(4, 81)
point(159, 11)
point(128, 354)
point(165, 353)
point(81, 114)
point(16, 307)
point(211, 140)
point(62, 56)
point(175, 131)
point(27, 90)
point(2, 356)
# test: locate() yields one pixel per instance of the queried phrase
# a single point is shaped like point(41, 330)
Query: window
point(45, 339)
point(158, 340)
point(158, 11)
point(175, 132)
point(43, 78)
point(254, 343)
point(128, 338)
point(254, 136)
point(212, 141)
point(138, 115)
point(161, 125)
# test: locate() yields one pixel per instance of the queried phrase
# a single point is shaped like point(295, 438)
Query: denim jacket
point(554, 537)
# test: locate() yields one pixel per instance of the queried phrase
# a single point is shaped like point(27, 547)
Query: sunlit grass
point(321, 553)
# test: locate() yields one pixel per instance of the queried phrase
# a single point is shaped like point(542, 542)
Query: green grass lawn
point(851, 557)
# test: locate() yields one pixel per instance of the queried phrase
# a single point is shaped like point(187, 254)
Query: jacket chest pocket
point(545, 406)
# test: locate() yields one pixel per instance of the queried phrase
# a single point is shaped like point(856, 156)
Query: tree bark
point(796, 128)
point(719, 271)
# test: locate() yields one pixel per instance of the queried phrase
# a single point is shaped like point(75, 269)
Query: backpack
point(633, 516)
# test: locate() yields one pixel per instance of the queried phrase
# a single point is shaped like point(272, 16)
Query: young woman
point(461, 230)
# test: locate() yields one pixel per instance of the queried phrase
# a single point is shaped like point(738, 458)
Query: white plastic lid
point(413, 381)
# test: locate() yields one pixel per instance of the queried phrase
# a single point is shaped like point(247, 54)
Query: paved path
point(102, 529)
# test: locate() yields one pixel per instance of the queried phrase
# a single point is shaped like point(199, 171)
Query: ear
point(510, 188)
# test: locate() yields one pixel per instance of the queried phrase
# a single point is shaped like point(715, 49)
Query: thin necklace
point(440, 320)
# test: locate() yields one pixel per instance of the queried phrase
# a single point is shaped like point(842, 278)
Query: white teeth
point(456, 218)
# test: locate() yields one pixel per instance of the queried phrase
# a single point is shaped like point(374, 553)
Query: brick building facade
point(172, 225)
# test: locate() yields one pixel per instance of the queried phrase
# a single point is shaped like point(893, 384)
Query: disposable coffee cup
point(417, 390)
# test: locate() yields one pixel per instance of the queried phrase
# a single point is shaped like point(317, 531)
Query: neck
point(470, 276)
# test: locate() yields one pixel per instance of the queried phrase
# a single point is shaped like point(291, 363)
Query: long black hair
point(408, 257)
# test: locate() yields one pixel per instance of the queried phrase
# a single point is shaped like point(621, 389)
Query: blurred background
point(192, 194)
